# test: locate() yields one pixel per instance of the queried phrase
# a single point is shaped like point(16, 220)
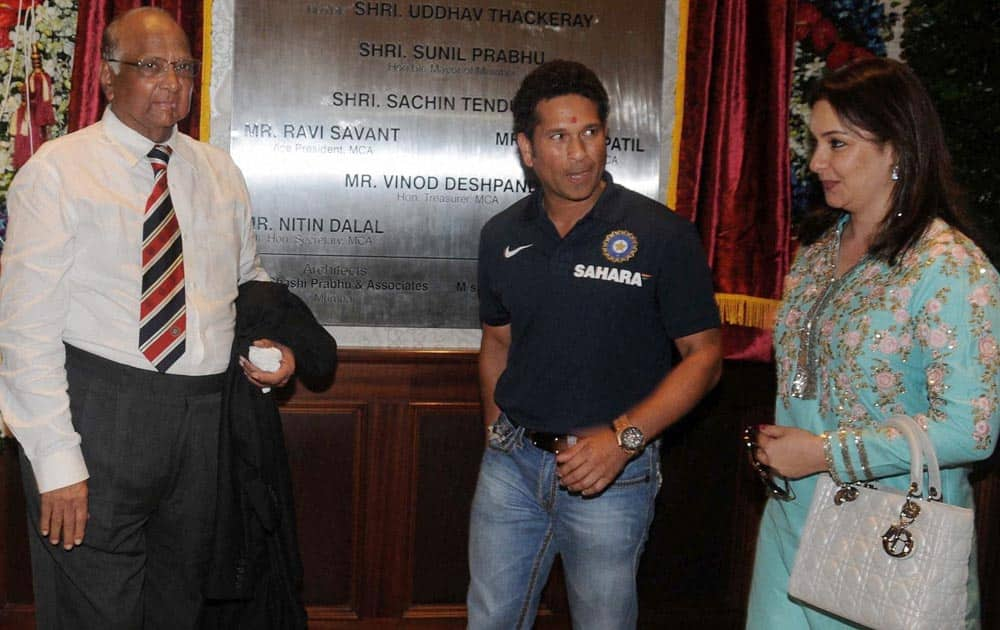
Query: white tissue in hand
point(267, 359)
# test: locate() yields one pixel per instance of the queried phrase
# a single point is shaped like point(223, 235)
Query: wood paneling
point(16, 610)
point(325, 454)
point(447, 451)
point(384, 465)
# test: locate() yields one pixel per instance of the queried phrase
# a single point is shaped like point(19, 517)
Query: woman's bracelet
point(828, 454)
point(866, 471)
point(845, 452)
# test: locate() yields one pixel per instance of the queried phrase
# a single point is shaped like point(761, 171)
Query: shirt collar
point(605, 209)
point(135, 145)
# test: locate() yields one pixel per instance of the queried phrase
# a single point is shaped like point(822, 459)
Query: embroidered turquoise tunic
point(918, 338)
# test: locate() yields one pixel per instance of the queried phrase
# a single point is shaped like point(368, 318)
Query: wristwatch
point(630, 437)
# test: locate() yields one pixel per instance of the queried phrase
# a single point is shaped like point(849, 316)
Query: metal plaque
point(376, 138)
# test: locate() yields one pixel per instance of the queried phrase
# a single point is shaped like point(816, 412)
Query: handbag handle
point(933, 470)
point(898, 540)
point(921, 449)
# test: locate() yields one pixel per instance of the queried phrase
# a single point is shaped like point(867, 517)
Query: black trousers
point(150, 443)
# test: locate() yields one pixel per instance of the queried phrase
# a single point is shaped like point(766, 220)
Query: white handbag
point(884, 560)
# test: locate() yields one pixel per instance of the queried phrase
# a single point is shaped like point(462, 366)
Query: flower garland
point(52, 33)
point(828, 35)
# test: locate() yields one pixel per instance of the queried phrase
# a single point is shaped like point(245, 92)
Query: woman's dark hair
point(549, 80)
point(885, 101)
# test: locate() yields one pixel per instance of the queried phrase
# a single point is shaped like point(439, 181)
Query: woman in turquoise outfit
point(890, 308)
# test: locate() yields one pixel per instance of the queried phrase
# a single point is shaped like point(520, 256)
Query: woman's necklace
point(807, 364)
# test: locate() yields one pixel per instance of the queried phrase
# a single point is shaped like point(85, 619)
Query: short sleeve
point(492, 311)
point(684, 289)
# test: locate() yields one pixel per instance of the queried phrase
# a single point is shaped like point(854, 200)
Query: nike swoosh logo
point(510, 253)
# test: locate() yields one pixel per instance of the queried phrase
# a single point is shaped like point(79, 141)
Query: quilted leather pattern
point(841, 566)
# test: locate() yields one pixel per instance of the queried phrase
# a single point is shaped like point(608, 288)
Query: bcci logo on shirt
point(620, 246)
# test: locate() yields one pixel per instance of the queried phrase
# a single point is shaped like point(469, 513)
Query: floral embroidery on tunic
point(916, 338)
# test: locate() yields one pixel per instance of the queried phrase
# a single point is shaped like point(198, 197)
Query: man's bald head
point(133, 18)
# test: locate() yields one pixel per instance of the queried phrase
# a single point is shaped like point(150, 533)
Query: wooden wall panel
point(448, 446)
point(384, 465)
point(325, 454)
point(16, 610)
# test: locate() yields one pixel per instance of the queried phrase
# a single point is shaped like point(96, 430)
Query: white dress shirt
point(72, 272)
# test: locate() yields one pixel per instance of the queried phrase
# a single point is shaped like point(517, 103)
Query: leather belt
point(551, 442)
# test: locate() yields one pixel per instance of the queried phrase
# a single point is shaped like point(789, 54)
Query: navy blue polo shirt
point(592, 314)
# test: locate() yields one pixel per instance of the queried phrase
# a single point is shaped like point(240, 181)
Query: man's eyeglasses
point(784, 491)
point(156, 66)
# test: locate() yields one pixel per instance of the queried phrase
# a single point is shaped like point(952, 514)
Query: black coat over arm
point(255, 575)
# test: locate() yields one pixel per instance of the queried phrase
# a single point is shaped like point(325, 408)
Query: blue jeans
point(522, 518)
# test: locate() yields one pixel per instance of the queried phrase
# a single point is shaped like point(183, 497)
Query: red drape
point(733, 178)
point(86, 101)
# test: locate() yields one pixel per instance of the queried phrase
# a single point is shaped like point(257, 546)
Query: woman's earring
point(895, 173)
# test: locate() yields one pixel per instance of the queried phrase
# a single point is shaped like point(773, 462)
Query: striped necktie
point(162, 319)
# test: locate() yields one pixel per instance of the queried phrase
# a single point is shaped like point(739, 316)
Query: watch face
point(631, 438)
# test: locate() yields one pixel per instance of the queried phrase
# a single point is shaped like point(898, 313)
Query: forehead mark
point(573, 119)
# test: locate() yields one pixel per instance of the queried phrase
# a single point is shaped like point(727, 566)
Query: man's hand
point(64, 514)
point(593, 463)
point(277, 378)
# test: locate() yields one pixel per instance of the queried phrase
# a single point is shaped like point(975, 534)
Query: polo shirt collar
point(135, 145)
point(605, 209)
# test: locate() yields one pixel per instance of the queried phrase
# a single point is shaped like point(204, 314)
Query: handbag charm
point(897, 540)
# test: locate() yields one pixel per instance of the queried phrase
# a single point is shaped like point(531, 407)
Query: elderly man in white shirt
point(126, 244)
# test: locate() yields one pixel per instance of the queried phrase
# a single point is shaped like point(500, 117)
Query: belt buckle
point(562, 442)
point(552, 442)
